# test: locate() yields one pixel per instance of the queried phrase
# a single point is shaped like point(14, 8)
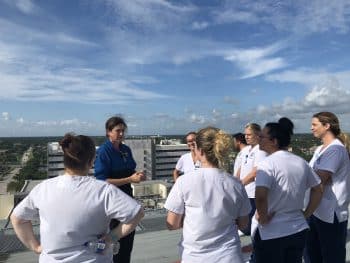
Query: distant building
point(157, 161)
point(55, 165)
point(152, 194)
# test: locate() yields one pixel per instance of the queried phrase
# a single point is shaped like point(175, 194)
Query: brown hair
point(191, 133)
point(216, 145)
point(114, 121)
point(334, 126)
point(78, 151)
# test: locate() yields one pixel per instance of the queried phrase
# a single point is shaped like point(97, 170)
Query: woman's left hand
point(38, 249)
point(265, 219)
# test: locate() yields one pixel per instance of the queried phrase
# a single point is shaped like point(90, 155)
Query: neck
point(271, 151)
point(193, 154)
point(115, 145)
point(252, 146)
point(72, 172)
point(206, 164)
point(327, 139)
point(242, 146)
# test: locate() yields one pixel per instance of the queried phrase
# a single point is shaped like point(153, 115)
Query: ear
point(327, 126)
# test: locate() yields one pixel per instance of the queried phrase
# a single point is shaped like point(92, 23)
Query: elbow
point(171, 226)
point(13, 219)
point(141, 213)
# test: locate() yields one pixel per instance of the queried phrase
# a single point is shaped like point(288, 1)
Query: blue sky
point(170, 66)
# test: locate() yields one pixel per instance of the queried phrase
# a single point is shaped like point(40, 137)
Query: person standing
point(239, 144)
point(115, 164)
point(209, 204)
point(188, 161)
point(326, 240)
point(279, 226)
point(247, 172)
point(74, 209)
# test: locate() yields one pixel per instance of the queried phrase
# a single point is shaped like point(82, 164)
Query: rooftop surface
point(158, 246)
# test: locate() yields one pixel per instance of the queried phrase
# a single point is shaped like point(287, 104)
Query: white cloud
point(309, 77)
point(258, 61)
point(324, 96)
point(291, 16)
point(24, 6)
point(329, 94)
point(235, 16)
point(5, 115)
point(152, 15)
point(199, 119)
point(199, 25)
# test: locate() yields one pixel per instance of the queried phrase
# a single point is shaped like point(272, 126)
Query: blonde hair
point(254, 127)
point(216, 145)
point(345, 139)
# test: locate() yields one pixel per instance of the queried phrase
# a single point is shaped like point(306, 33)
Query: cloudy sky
point(170, 66)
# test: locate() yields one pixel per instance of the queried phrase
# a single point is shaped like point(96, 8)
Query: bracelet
point(113, 236)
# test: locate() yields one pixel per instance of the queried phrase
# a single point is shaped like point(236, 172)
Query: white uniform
point(185, 164)
point(335, 159)
point(287, 178)
point(74, 210)
point(251, 157)
point(211, 200)
point(238, 161)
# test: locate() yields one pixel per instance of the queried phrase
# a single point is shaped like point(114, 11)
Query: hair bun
point(66, 141)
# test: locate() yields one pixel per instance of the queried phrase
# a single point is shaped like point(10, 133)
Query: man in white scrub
point(187, 162)
point(252, 155)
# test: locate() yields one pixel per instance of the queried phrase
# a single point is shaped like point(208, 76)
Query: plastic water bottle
point(96, 246)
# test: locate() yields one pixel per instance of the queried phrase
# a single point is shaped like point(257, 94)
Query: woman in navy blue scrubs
point(115, 164)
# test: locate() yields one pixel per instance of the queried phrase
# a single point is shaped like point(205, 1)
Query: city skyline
point(170, 67)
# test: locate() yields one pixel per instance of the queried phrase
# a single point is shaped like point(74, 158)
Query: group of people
point(292, 209)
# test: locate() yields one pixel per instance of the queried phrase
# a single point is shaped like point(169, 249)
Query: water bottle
point(96, 246)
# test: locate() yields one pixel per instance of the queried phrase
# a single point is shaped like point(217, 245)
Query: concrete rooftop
point(158, 246)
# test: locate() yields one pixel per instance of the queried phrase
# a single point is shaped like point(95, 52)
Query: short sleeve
point(263, 178)
point(102, 165)
point(27, 209)
point(175, 201)
point(312, 178)
point(120, 206)
point(180, 164)
point(330, 160)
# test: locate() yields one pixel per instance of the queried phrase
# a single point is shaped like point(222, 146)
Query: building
point(55, 165)
point(152, 194)
point(157, 161)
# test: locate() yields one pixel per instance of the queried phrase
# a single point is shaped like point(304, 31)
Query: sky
point(169, 67)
